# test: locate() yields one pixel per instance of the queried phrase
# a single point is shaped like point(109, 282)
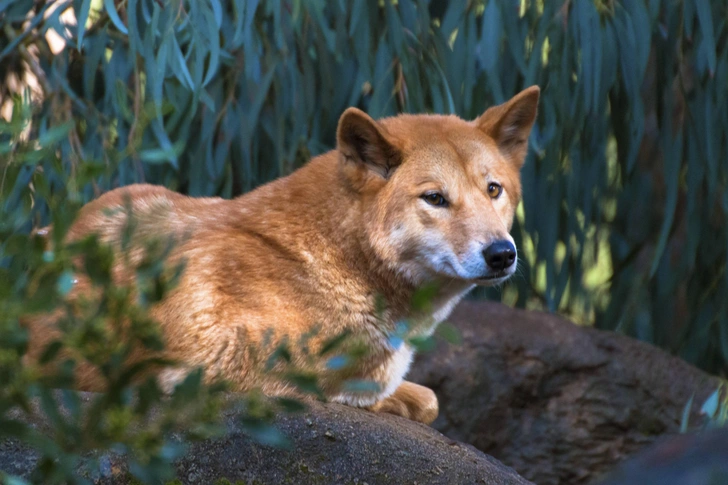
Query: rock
point(559, 403)
point(689, 459)
point(332, 444)
point(337, 444)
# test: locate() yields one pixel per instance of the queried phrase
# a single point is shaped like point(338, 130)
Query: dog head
point(438, 194)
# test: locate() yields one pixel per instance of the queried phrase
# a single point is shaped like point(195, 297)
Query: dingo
point(401, 203)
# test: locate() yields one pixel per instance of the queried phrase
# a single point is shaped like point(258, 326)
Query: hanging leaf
point(82, 18)
point(705, 17)
point(114, 16)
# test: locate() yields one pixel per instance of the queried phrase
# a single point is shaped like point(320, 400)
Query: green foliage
point(102, 332)
point(99, 332)
point(714, 410)
point(625, 216)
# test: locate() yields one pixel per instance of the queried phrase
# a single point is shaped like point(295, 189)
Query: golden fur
point(319, 246)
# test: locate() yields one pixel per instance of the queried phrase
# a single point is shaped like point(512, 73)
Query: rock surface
point(692, 459)
point(559, 403)
point(332, 444)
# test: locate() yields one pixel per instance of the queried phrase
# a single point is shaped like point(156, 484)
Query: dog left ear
point(510, 123)
point(366, 143)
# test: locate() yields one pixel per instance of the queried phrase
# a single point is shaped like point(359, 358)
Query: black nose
point(500, 255)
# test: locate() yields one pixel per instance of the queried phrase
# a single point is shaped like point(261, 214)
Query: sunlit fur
point(318, 247)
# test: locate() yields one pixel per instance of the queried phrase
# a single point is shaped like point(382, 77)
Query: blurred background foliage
point(624, 222)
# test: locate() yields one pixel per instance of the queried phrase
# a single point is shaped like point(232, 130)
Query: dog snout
point(500, 255)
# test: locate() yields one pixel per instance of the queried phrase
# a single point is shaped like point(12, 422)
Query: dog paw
point(410, 401)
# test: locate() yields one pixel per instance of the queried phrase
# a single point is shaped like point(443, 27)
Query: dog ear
point(365, 142)
point(510, 123)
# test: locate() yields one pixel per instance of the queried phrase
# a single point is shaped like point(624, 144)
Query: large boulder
point(559, 403)
point(331, 444)
point(688, 459)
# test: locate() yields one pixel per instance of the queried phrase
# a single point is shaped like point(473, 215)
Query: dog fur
point(319, 247)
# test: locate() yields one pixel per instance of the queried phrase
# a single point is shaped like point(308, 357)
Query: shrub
point(624, 222)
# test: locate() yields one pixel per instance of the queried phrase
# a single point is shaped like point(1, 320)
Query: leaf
point(705, 18)
point(334, 343)
point(189, 388)
point(114, 16)
point(217, 12)
point(72, 402)
point(449, 108)
point(178, 63)
point(265, 433)
point(642, 28)
point(4, 4)
point(262, 92)
point(422, 344)
point(281, 353)
point(710, 406)
point(672, 176)
point(453, 16)
point(688, 18)
point(12, 428)
point(515, 39)
point(290, 405)
point(590, 43)
point(423, 297)
point(31, 26)
point(50, 352)
point(686, 415)
point(449, 333)
point(304, 381)
point(630, 73)
point(361, 386)
point(394, 29)
point(12, 480)
point(81, 19)
point(65, 283)
point(337, 362)
point(214, 60)
point(51, 409)
point(161, 155)
point(52, 136)
point(490, 42)
point(723, 324)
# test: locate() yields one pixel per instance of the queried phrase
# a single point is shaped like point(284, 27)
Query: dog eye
point(494, 190)
point(434, 198)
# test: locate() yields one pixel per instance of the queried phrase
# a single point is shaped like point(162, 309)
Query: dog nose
point(500, 255)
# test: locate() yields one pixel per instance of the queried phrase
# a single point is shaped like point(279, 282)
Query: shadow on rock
point(692, 459)
point(560, 403)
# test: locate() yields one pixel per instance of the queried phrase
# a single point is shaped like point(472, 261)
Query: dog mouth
point(494, 278)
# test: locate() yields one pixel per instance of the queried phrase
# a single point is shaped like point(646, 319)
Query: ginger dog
point(400, 204)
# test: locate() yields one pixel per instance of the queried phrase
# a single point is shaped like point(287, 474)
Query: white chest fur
point(391, 372)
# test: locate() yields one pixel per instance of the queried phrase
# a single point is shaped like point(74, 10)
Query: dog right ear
point(365, 143)
point(510, 123)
